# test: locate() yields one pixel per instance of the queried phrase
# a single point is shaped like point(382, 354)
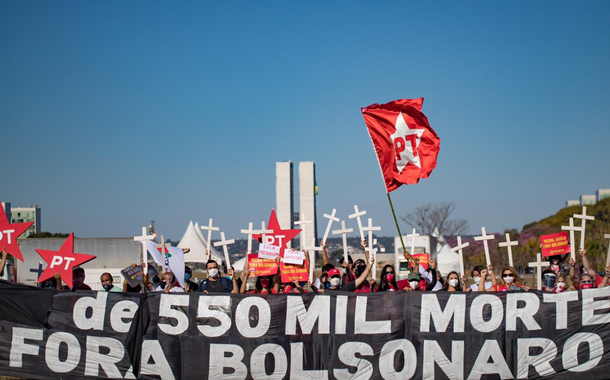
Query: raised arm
point(231, 272)
point(482, 282)
point(244, 277)
point(365, 274)
point(586, 264)
point(491, 274)
point(3, 260)
point(325, 258)
point(572, 271)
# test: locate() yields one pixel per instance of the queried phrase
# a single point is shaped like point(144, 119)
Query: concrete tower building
point(284, 194)
point(307, 200)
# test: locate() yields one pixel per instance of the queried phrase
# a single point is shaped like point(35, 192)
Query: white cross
point(572, 228)
point(312, 257)
point(459, 249)
point(303, 222)
point(538, 264)
point(413, 235)
point(223, 242)
point(607, 236)
point(209, 228)
point(142, 238)
point(331, 218)
point(584, 217)
point(357, 214)
point(484, 237)
point(249, 232)
point(263, 231)
point(508, 244)
point(343, 231)
point(162, 246)
point(371, 242)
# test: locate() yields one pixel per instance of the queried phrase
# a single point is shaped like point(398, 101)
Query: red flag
point(405, 144)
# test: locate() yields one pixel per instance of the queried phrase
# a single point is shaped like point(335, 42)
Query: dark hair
point(383, 282)
point(459, 285)
point(259, 286)
point(210, 262)
point(349, 259)
point(478, 268)
point(79, 270)
point(188, 269)
point(106, 273)
point(327, 267)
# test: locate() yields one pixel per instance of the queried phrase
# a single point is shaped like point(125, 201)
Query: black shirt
point(348, 287)
point(218, 286)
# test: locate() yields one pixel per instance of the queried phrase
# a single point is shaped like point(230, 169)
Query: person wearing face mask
point(476, 276)
point(336, 282)
point(387, 280)
point(169, 284)
point(588, 269)
point(560, 285)
point(556, 263)
point(359, 268)
point(189, 286)
point(453, 283)
point(217, 284)
point(549, 278)
point(264, 284)
point(509, 280)
point(107, 285)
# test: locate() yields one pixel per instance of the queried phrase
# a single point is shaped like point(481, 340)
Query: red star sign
point(9, 234)
point(279, 237)
point(62, 261)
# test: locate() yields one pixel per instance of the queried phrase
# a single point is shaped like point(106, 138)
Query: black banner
point(393, 335)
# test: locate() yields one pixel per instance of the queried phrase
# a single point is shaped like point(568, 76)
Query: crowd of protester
point(352, 276)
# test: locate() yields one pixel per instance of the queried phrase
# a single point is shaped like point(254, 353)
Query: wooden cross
point(162, 246)
point(343, 232)
point(584, 217)
point(538, 264)
point(413, 235)
point(303, 222)
point(607, 236)
point(459, 249)
point(484, 237)
point(209, 228)
point(357, 214)
point(39, 270)
point(371, 242)
point(249, 232)
point(331, 218)
point(572, 228)
point(224, 243)
point(141, 239)
point(312, 257)
point(508, 244)
point(264, 231)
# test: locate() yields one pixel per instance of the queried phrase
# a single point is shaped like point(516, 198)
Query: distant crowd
point(352, 276)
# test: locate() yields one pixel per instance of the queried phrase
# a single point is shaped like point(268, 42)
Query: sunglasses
point(508, 275)
point(586, 282)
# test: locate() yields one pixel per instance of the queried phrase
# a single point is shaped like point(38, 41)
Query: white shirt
point(428, 277)
point(475, 287)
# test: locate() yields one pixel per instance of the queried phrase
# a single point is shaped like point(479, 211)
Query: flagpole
point(397, 227)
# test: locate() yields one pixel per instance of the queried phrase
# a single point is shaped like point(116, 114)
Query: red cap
point(334, 272)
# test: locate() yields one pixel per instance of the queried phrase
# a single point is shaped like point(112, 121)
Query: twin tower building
point(284, 199)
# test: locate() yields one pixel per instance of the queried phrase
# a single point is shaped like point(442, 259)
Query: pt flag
point(405, 144)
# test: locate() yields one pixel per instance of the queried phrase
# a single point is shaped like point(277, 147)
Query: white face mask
point(508, 280)
point(213, 272)
point(477, 280)
point(414, 284)
point(334, 282)
point(561, 285)
point(454, 282)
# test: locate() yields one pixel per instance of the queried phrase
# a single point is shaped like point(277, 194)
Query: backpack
point(223, 280)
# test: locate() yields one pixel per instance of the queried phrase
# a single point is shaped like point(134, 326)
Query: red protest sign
point(291, 272)
point(62, 261)
point(9, 232)
point(261, 267)
point(555, 244)
point(424, 258)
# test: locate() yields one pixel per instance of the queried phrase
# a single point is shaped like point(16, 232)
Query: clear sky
point(114, 113)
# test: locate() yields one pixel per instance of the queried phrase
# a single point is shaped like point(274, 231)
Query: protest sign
point(555, 244)
point(291, 272)
point(423, 258)
point(292, 256)
point(266, 251)
point(133, 275)
point(261, 267)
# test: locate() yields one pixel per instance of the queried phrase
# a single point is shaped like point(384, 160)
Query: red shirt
point(364, 288)
point(500, 288)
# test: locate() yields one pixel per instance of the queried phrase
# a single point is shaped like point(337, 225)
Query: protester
point(509, 280)
point(264, 284)
point(588, 269)
point(169, 284)
point(217, 284)
point(107, 285)
point(560, 284)
point(387, 280)
point(189, 286)
point(476, 277)
point(556, 263)
point(346, 266)
point(336, 279)
point(549, 278)
point(606, 278)
point(78, 279)
point(453, 283)
point(3, 260)
point(359, 268)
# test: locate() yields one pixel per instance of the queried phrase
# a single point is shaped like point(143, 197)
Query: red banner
point(262, 267)
point(424, 258)
point(555, 244)
point(291, 272)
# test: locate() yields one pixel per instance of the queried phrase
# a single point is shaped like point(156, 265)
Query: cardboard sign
point(291, 272)
point(424, 258)
point(133, 275)
point(555, 244)
point(266, 251)
point(293, 257)
point(261, 267)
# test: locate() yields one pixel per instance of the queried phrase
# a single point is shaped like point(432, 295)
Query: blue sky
point(115, 113)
